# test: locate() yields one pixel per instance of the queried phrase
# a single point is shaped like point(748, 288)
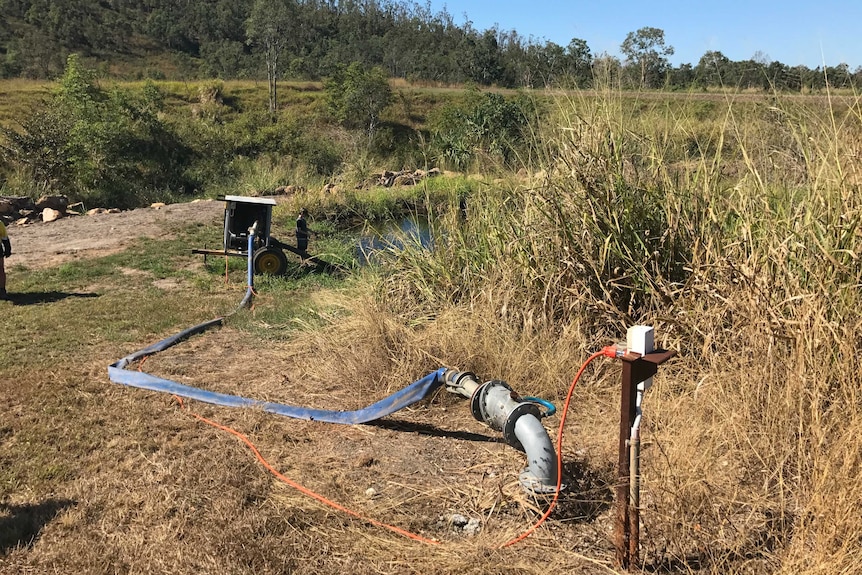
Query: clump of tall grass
point(735, 230)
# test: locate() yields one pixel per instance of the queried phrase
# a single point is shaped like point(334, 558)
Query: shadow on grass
point(20, 525)
point(33, 298)
point(588, 492)
point(430, 430)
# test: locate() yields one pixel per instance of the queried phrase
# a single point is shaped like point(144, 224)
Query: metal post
point(627, 417)
point(634, 499)
point(636, 368)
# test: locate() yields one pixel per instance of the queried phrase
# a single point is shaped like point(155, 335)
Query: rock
point(19, 203)
point(370, 492)
point(76, 208)
point(21, 221)
point(7, 208)
point(386, 179)
point(473, 527)
point(158, 205)
point(96, 211)
point(458, 520)
point(433, 173)
point(114, 210)
point(50, 215)
point(58, 203)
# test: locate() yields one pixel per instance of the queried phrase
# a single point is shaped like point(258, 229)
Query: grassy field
point(731, 226)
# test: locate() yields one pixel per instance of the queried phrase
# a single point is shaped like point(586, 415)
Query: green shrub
point(487, 127)
point(97, 146)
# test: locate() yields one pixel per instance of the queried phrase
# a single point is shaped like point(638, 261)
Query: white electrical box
point(641, 339)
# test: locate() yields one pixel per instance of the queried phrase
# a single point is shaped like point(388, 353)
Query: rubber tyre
point(270, 261)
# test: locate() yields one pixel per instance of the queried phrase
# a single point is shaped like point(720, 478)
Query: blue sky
point(792, 32)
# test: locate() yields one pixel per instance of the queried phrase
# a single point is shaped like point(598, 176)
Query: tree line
point(314, 39)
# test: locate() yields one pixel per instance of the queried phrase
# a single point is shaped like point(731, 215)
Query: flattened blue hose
point(411, 394)
point(166, 343)
point(118, 373)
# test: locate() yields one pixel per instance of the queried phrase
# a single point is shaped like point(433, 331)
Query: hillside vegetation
point(314, 39)
point(127, 144)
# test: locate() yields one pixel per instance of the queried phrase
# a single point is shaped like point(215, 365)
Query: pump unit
point(240, 214)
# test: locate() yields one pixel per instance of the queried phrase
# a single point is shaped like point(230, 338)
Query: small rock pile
point(389, 179)
point(289, 190)
point(22, 210)
point(385, 179)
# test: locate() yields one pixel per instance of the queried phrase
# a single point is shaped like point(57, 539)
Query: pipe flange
point(477, 402)
point(530, 483)
point(509, 427)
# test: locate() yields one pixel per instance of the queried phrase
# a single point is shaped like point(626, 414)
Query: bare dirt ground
point(39, 245)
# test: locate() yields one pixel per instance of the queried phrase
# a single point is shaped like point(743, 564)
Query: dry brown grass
point(739, 240)
point(100, 478)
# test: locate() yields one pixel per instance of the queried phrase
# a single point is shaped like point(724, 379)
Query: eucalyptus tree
point(714, 69)
point(267, 30)
point(580, 61)
point(357, 96)
point(647, 51)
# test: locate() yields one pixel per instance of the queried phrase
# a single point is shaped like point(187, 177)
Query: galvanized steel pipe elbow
point(497, 405)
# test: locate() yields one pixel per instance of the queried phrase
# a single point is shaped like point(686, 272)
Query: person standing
point(4, 253)
point(302, 230)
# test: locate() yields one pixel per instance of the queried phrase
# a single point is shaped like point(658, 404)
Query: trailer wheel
point(270, 261)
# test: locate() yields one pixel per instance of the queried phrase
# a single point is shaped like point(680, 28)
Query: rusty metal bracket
point(636, 368)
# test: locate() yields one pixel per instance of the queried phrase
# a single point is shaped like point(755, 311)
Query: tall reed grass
point(733, 227)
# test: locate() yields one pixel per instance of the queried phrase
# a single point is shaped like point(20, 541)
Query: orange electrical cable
point(301, 488)
point(314, 495)
point(563, 414)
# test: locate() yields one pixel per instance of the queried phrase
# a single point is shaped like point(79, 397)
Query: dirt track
point(41, 245)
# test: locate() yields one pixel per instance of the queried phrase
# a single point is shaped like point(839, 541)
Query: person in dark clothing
point(5, 252)
point(302, 231)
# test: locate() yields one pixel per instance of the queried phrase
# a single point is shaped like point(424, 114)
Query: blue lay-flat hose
point(118, 373)
point(409, 395)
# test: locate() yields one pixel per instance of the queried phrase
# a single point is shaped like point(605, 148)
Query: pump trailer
point(240, 214)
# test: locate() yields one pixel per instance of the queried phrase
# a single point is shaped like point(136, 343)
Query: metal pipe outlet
point(249, 292)
point(502, 409)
